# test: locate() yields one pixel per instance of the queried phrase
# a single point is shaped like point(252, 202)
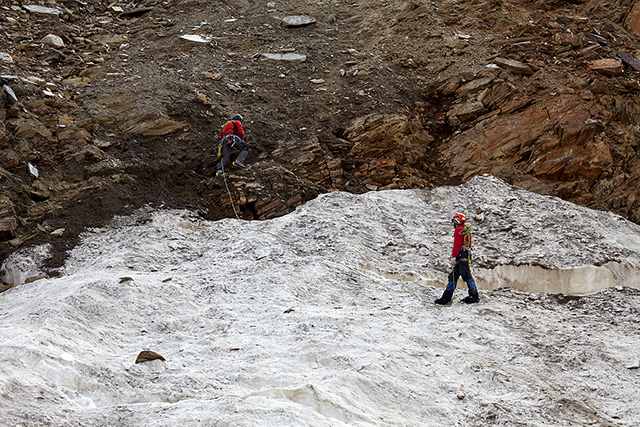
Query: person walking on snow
point(232, 136)
point(461, 262)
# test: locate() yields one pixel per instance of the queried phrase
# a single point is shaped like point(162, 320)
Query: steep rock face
point(553, 141)
point(386, 149)
point(126, 110)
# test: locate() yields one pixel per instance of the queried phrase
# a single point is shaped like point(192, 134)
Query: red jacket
point(230, 128)
point(459, 240)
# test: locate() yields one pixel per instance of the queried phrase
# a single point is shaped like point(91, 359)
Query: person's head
point(237, 117)
point(458, 219)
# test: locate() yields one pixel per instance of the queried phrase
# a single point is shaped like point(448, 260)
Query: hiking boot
point(473, 296)
point(239, 165)
point(219, 172)
point(445, 299)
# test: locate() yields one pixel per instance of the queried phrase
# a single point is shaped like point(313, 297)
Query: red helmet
point(459, 219)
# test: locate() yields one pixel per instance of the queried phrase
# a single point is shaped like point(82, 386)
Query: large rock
point(554, 140)
point(383, 145)
point(151, 124)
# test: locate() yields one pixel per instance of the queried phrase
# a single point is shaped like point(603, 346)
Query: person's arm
point(457, 242)
point(240, 130)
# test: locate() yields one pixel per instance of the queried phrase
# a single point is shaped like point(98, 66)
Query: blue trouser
point(228, 143)
point(461, 269)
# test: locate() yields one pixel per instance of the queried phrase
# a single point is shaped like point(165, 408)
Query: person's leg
point(445, 299)
point(465, 272)
point(244, 151)
point(226, 153)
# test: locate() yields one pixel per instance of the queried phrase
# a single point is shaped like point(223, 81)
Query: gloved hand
point(452, 261)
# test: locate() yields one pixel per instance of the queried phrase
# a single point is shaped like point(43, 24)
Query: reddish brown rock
point(8, 220)
point(32, 131)
point(381, 142)
point(632, 21)
point(467, 112)
point(607, 66)
point(554, 140)
point(76, 136)
point(151, 124)
point(514, 66)
point(147, 356)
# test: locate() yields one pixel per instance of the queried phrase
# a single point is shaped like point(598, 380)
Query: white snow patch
point(324, 317)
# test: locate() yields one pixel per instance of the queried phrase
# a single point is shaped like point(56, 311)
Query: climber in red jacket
point(232, 136)
point(461, 262)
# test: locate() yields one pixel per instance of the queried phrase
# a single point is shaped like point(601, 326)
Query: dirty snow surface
point(324, 317)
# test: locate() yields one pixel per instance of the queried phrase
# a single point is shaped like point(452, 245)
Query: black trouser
point(461, 269)
point(228, 143)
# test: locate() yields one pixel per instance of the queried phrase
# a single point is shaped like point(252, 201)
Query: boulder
point(298, 20)
point(36, 9)
point(474, 86)
point(285, 57)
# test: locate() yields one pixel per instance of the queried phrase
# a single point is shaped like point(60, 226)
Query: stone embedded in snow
point(52, 40)
point(58, 232)
point(195, 38)
point(286, 57)
point(298, 20)
point(147, 356)
point(42, 9)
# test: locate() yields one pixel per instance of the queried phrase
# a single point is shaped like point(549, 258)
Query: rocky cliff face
point(109, 106)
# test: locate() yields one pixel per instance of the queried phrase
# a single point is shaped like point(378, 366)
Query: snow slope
point(324, 318)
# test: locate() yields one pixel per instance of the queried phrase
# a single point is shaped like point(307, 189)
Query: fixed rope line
point(327, 257)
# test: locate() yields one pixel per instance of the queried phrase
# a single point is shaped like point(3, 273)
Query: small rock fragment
point(514, 66)
point(52, 40)
point(286, 57)
point(147, 356)
point(298, 20)
point(42, 10)
point(6, 58)
point(607, 66)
